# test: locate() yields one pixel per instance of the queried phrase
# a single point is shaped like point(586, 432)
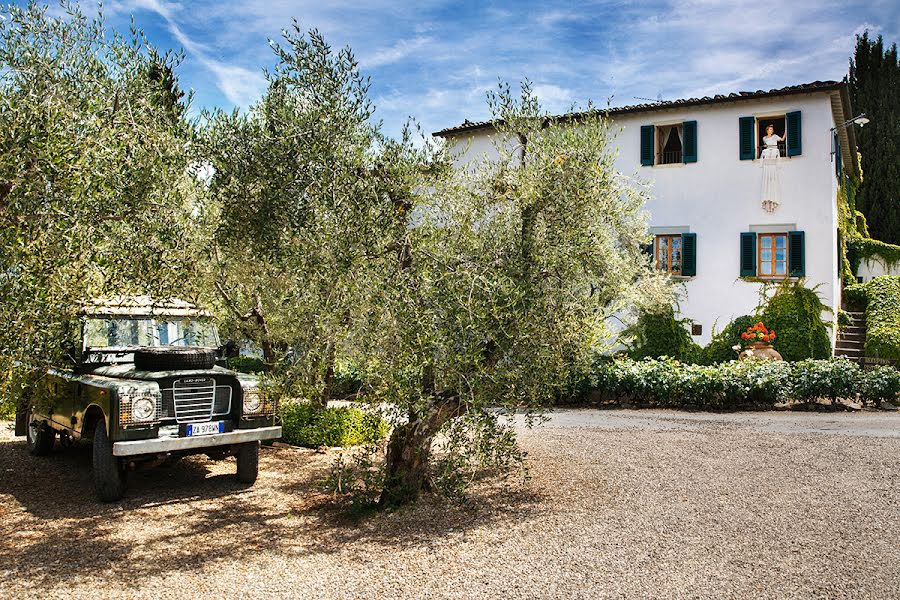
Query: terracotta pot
point(764, 351)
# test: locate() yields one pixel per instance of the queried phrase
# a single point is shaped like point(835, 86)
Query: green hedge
point(883, 317)
point(306, 425)
point(732, 385)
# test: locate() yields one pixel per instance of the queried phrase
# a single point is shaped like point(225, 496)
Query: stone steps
point(851, 340)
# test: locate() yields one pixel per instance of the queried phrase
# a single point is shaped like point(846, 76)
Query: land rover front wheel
point(109, 474)
point(247, 462)
point(39, 437)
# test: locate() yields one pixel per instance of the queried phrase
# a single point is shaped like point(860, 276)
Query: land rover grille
point(194, 400)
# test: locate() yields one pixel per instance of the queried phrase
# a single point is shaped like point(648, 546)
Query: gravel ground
point(620, 504)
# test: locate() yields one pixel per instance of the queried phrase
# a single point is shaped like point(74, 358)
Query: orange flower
point(772, 334)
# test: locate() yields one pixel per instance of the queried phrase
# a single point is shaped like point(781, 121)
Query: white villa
point(716, 223)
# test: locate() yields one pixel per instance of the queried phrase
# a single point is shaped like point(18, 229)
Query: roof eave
point(811, 88)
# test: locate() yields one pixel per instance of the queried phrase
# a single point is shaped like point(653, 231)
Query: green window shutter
point(838, 159)
point(797, 253)
point(689, 254)
point(748, 254)
point(647, 145)
point(689, 133)
point(794, 134)
point(747, 138)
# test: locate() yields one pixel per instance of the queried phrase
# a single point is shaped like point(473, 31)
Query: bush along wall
point(882, 301)
point(721, 347)
point(310, 426)
point(741, 385)
point(661, 334)
point(795, 312)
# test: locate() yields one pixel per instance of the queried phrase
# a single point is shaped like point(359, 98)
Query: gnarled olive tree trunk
point(409, 450)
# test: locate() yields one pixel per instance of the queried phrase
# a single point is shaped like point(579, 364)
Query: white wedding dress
point(771, 194)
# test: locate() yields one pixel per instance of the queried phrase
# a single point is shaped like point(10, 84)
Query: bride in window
point(771, 195)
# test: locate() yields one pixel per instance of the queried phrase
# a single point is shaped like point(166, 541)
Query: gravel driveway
point(621, 504)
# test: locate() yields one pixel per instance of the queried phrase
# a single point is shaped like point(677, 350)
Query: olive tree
point(96, 198)
point(455, 292)
point(293, 186)
point(502, 289)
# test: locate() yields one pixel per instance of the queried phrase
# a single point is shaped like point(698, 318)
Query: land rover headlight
point(143, 409)
point(252, 401)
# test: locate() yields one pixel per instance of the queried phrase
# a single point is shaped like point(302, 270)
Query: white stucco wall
point(870, 268)
point(718, 197)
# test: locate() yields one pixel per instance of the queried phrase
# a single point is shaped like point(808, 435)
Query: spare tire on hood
point(174, 358)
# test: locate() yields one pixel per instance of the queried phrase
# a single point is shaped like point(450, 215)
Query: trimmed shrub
point(883, 317)
point(881, 384)
point(795, 313)
point(306, 425)
point(832, 379)
point(661, 334)
point(720, 348)
point(731, 385)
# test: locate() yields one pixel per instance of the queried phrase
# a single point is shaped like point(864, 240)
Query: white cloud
point(241, 86)
point(398, 51)
point(553, 97)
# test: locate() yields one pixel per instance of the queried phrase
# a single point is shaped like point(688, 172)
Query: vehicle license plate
point(206, 428)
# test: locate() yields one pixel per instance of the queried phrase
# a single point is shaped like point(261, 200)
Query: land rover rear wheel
point(248, 462)
point(109, 474)
point(39, 437)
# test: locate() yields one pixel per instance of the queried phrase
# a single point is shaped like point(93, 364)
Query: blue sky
point(435, 61)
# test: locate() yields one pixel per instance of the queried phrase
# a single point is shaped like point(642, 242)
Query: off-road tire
point(109, 474)
point(247, 462)
point(174, 358)
point(39, 437)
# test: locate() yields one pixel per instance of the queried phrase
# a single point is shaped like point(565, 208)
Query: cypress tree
point(874, 83)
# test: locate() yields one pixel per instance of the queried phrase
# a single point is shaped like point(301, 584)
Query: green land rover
point(145, 388)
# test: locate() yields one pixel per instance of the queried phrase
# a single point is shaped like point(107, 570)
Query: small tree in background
point(95, 194)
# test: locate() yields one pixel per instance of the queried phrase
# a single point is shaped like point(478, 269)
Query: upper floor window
point(770, 131)
point(669, 146)
point(786, 133)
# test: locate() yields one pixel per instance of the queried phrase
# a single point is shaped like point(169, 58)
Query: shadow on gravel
point(195, 514)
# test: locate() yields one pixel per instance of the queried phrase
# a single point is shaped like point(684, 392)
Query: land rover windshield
point(129, 332)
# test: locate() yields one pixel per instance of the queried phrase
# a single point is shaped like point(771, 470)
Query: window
point(669, 146)
point(752, 131)
point(668, 253)
point(780, 127)
point(772, 253)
